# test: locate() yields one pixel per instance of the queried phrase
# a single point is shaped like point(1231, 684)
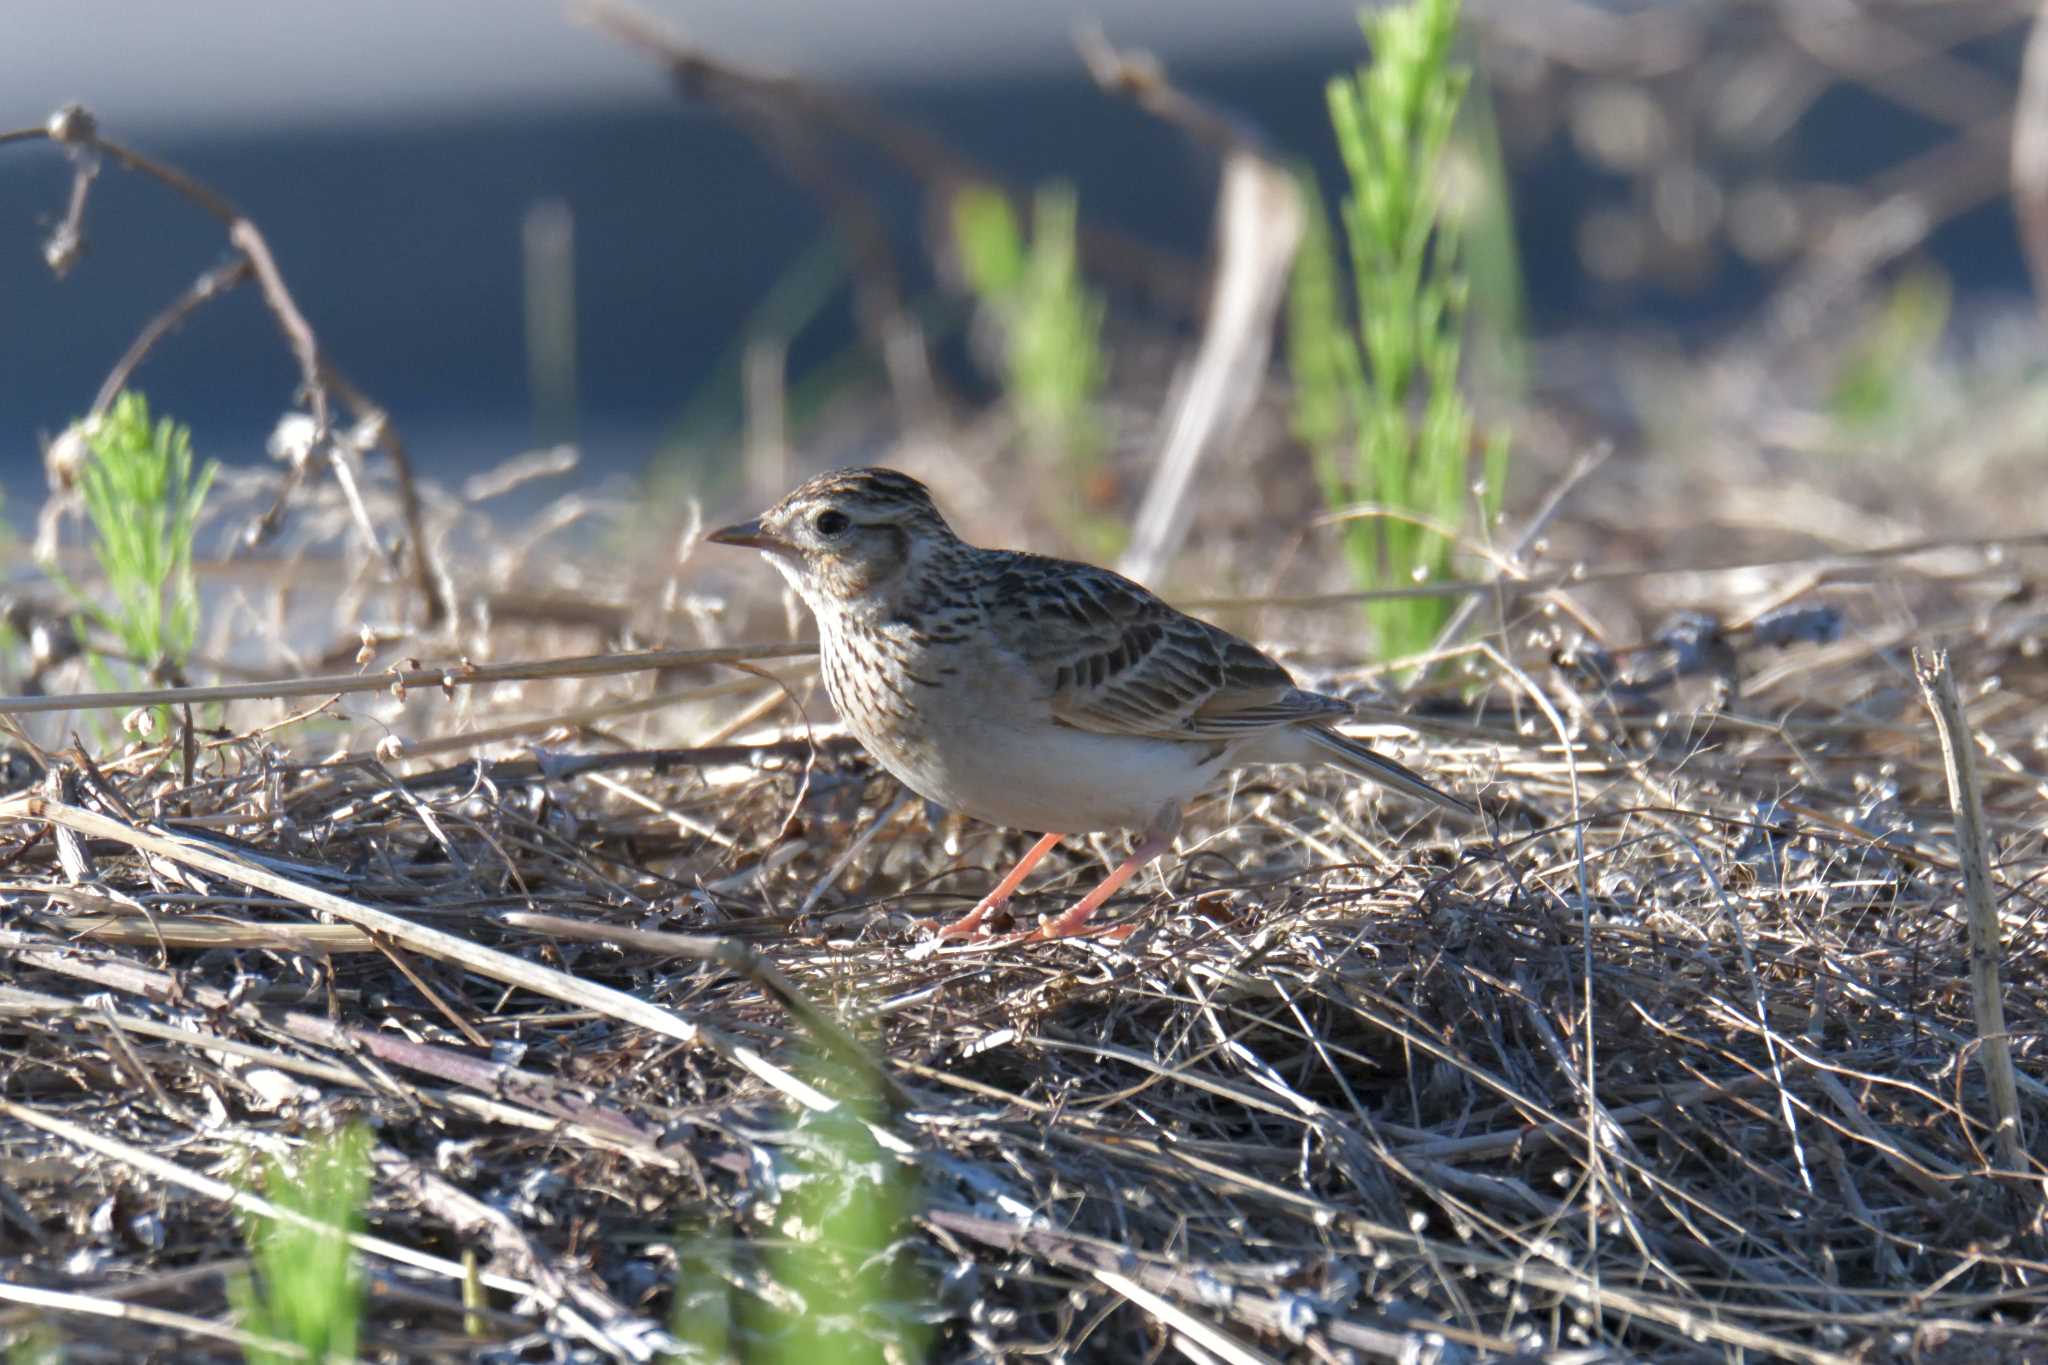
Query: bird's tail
point(1347, 753)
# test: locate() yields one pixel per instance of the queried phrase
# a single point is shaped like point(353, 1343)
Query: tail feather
point(1349, 754)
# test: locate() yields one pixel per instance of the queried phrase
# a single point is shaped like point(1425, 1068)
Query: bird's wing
point(1117, 660)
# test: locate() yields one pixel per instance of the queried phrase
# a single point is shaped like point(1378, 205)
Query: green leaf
point(1393, 381)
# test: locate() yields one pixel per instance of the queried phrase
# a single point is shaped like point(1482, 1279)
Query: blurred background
point(1612, 397)
point(510, 229)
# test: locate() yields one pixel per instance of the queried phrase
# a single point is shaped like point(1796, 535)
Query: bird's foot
point(968, 925)
point(1049, 928)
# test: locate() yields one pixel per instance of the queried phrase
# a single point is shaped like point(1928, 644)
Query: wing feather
point(1115, 659)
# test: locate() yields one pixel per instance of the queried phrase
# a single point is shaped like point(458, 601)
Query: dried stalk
point(1259, 223)
point(402, 679)
point(1987, 997)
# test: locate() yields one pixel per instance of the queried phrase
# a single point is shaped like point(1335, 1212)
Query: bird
point(1030, 692)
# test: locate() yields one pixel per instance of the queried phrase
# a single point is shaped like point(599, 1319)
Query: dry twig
point(1938, 684)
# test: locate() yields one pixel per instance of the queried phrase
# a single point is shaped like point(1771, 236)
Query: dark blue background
point(402, 245)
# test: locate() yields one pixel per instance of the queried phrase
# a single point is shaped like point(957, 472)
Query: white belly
point(980, 739)
point(1055, 780)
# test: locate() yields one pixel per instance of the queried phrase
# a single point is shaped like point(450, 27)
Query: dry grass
point(1680, 1058)
point(1675, 1061)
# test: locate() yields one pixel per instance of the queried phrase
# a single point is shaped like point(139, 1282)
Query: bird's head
point(847, 535)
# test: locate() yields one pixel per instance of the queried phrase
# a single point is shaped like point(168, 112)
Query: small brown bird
point(1036, 693)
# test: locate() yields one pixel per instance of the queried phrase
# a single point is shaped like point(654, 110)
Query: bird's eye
point(831, 523)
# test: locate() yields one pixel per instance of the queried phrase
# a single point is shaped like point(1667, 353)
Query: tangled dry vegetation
point(1674, 1060)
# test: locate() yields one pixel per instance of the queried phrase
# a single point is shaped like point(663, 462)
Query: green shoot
point(854, 1287)
point(1054, 369)
point(1378, 403)
point(143, 500)
point(308, 1287)
point(700, 1317)
point(989, 240)
point(836, 1283)
point(1056, 364)
point(36, 1345)
point(1872, 393)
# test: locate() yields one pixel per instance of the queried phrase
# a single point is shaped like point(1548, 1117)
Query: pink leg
point(1157, 840)
point(971, 921)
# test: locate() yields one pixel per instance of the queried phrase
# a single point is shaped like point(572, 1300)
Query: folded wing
point(1117, 660)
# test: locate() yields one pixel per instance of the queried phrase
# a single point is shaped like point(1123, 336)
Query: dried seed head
point(293, 438)
point(63, 247)
point(64, 458)
point(73, 126)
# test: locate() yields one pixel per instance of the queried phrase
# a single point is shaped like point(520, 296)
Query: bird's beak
point(753, 536)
